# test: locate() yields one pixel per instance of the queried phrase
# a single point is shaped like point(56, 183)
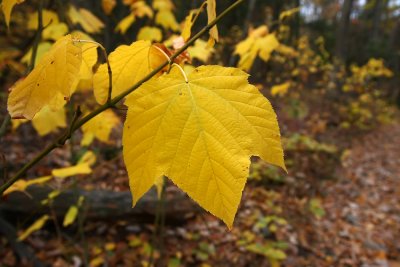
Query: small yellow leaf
point(96, 261)
point(187, 25)
point(47, 120)
point(42, 49)
point(89, 157)
point(125, 23)
point(22, 184)
point(141, 9)
point(89, 22)
point(167, 20)
point(17, 122)
point(50, 197)
point(200, 50)
point(70, 216)
point(266, 45)
point(110, 246)
point(129, 65)
point(280, 89)
point(82, 168)
point(37, 225)
point(258, 43)
point(211, 13)
point(55, 74)
point(55, 31)
point(200, 133)
point(49, 17)
point(108, 6)
point(7, 6)
point(288, 13)
point(150, 34)
point(163, 5)
point(100, 127)
point(246, 61)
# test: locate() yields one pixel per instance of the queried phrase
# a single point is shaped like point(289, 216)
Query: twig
point(68, 133)
point(115, 100)
point(108, 66)
point(38, 36)
point(4, 162)
point(4, 124)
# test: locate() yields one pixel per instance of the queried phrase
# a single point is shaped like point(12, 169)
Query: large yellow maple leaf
point(129, 65)
point(201, 133)
point(56, 73)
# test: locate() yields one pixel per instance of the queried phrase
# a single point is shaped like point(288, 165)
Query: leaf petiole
point(107, 62)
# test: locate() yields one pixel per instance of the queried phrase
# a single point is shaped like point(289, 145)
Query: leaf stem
point(64, 137)
point(108, 66)
point(182, 71)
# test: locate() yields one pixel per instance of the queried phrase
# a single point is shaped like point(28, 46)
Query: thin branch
point(4, 124)
point(38, 36)
point(114, 101)
point(4, 163)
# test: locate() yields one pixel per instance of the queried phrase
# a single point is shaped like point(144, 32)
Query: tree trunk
point(342, 30)
point(376, 20)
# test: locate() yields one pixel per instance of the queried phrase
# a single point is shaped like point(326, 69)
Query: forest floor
point(351, 218)
point(361, 226)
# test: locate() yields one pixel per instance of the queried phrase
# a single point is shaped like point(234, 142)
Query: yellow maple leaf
point(150, 34)
point(37, 225)
point(258, 43)
point(55, 74)
point(89, 22)
point(100, 127)
point(129, 64)
point(7, 7)
point(211, 13)
point(280, 89)
point(200, 133)
point(47, 120)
